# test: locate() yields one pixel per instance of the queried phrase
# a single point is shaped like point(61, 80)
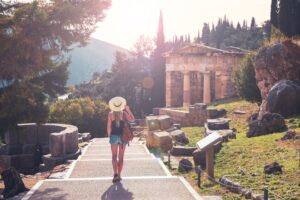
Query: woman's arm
point(108, 124)
point(129, 115)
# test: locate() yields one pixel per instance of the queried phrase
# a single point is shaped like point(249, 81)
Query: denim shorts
point(116, 139)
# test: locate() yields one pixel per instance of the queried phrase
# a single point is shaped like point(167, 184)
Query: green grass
point(243, 159)
point(194, 134)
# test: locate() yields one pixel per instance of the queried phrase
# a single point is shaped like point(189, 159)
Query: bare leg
point(121, 158)
point(114, 151)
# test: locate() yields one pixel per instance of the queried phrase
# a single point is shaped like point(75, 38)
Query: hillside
point(243, 159)
point(95, 57)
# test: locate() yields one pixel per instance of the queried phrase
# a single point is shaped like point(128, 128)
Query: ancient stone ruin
point(196, 115)
point(198, 73)
point(161, 133)
point(31, 144)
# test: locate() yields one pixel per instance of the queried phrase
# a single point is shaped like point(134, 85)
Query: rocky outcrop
point(269, 123)
point(279, 61)
point(283, 98)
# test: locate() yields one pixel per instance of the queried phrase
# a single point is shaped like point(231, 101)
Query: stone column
point(206, 88)
point(186, 89)
point(168, 88)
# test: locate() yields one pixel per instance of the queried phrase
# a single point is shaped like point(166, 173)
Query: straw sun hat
point(117, 104)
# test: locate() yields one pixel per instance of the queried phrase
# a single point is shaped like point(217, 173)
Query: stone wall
point(196, 115)
point(20, 145)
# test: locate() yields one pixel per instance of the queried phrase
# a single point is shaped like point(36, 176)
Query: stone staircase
point(90, 177)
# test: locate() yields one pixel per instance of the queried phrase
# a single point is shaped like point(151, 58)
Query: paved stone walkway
point(90, 177)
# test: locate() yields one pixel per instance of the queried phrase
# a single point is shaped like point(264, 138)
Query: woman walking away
point(120, 112)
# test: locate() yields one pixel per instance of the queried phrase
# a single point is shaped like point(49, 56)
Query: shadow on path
point(117, 192)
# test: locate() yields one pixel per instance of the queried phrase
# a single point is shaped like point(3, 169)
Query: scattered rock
point(291, 120)
point(293, 127)
point(283, 98)
point(58, 175)
point(218, 124)
point(269, 123)
point(255, 174)
point(246, 193)
point(273, 168)
point(182, 151)
point(240, 112)
point(80, 140)
point(215, 113)
point(185, 165)
point(86, 137)
point(289, 135)
point(230, 185)
point(179, 137)
point(257, 197)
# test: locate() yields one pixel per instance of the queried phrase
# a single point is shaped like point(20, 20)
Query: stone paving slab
point(171, 188)
point(106, 149)
point(103, 168)
point(108, 156)
point(106, 141)
point(137, 147)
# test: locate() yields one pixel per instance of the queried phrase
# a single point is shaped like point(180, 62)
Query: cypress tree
point(297, 17)
point(205, 34)
point(286, 17)
point(158, 67)
point(274, 13)
point(253, 24)
point(238, 26)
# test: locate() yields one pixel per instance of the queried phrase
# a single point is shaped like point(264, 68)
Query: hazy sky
point(126, 20)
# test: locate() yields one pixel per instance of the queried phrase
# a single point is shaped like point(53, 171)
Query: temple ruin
point(200, 74)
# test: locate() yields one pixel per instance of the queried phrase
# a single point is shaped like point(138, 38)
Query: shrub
point(245, 82)
point(89, 115)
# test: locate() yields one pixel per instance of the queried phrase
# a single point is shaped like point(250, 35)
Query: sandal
point(119, 178)
point(115, 179)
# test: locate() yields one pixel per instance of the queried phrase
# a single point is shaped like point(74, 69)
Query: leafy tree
point(34, 38)
point(89, 115)
point(245, 82)
point(124, 79)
